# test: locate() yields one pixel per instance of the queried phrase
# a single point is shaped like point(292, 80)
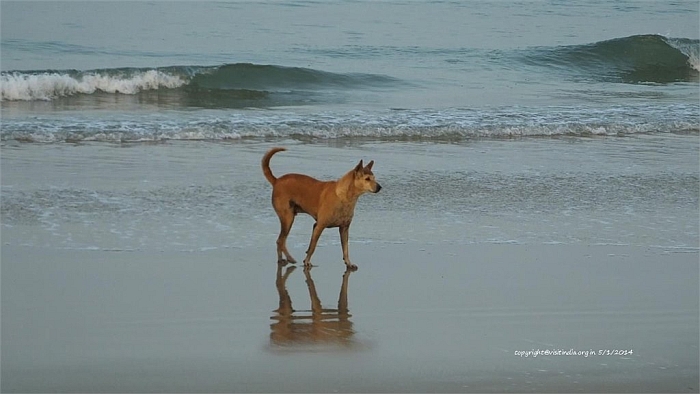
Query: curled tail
point(266, 164)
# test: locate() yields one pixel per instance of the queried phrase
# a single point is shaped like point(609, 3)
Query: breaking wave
point(634, 59)
point(49, 85)
point(189, 84)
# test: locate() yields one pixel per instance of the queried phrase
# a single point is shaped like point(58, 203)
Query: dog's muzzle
point(378, 188)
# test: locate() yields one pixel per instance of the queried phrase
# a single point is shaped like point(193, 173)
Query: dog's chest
point(342, 214)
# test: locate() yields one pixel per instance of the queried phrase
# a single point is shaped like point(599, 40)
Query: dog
point(330, 203)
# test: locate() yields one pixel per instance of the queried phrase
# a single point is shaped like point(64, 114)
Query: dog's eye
point(367, 178)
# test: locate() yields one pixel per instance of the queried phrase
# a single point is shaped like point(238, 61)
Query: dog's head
point(364, 178)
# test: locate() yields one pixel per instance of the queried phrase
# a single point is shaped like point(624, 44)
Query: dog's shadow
point(317, 329)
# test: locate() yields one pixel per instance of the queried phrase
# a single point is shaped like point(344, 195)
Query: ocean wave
point(635, 59)
point(17, 86)
point(240, 81)
point(690, 48)
point(394, 125)
point(639, 59)
point(278, 78)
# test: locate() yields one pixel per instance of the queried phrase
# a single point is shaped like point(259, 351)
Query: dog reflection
point(310, 329)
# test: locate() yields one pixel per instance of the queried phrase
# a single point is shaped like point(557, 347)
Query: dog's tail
point(266, 164)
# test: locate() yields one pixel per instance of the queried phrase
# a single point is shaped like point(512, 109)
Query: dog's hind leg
point(286, 220)
point(315, 235)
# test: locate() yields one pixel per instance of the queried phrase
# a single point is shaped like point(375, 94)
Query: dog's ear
point(369, 165)
point(359, 166)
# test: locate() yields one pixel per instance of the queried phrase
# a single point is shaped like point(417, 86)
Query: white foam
point(689, 48)
point(694, 60)
point(49, 86)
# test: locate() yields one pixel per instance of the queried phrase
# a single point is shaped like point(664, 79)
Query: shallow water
point(198, 196)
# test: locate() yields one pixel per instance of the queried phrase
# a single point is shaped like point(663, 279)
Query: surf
point(50, 85)
point(243, 81)
point(447, 125)
point(639, 59)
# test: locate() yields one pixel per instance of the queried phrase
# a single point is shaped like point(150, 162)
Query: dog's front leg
point(344, 235)
point(315, 235)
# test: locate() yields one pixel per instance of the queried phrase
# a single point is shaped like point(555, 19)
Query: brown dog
point(331, 204)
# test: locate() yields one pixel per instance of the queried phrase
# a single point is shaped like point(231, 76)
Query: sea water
point(576, 120)
point(389, 70)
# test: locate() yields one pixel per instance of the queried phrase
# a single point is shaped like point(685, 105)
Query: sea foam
point(690, 48)
point(51, 85)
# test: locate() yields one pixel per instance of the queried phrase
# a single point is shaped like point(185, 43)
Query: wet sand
point(415, 317)
point(151, 268)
